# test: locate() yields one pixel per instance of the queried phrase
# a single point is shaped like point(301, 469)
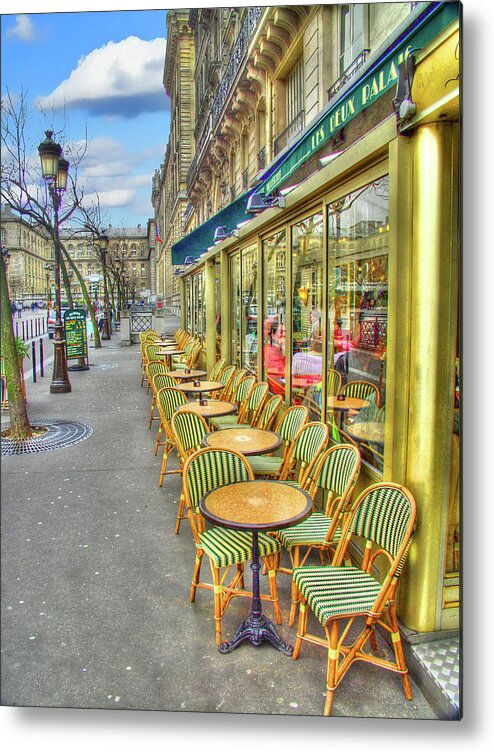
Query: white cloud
point(117, 197)
point(23, 29)
point(121, 78)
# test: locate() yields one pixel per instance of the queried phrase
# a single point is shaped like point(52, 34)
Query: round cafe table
point(213, 408)
point(256, 505)
point(184, 376)
point(342, 406)
point(167, 352)
point(367, 431)
point(204, 386)
point(245, 440)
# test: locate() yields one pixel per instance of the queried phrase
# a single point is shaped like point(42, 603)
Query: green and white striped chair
point(267, 415)
point(189, 429)
point(167, 400)
point(334, 474)
point(203, 471)
point(250, 408)
point(383, 517)
point(225, 377)
point(333, 381)
point(159, 381)
point(150, 352)
point(288, 427)
point(306, 449)
point(152, 368)
point(229, 393)
point(216, 370)
point(240, 396)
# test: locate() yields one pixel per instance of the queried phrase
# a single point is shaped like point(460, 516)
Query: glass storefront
point(358, 239)
point(307, 312)
point(274, 311)
point(243, 308)
point(235, 308)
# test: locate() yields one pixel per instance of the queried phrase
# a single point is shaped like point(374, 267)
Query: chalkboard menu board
point(74, 321)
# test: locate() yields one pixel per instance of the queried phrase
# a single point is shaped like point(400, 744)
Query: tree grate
point(60, 434)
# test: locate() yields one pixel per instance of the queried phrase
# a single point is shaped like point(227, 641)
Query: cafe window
point(188, 311)
point(198, 306)
point(249, 309)
point(307, 311)
point(274, 311)
point(358, 240)
point(234, 332)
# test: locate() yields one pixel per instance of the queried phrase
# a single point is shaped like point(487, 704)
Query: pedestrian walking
point(19, 309)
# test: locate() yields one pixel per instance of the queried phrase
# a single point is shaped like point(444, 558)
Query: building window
point(353, 21)
point(143, 270)
point(295, 92)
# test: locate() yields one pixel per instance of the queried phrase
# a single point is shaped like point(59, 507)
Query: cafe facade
point(344, 259)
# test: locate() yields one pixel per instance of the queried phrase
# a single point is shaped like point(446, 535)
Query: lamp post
point(48, 269)
point(103, 246)
point(55, 169)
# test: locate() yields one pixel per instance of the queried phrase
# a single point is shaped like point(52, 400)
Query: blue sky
point(100, 71)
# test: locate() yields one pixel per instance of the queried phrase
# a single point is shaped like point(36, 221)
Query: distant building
point(30, 250)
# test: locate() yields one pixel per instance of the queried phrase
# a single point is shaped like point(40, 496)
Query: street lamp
point(55, 169)
point(48, 269)
point(103, 246)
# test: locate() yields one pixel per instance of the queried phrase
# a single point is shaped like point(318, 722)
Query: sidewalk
point(95, 583)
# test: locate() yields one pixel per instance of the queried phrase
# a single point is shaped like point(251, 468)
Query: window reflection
point(307, 278)
point(274, 311)
point(235, 308)
point(358, 229)
point(249, 308)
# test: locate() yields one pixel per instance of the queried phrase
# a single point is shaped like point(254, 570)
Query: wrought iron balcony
point(237, 58)
point(295, 127)
point(348, 73)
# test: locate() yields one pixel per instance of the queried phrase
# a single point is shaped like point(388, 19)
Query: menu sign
point(74, 321)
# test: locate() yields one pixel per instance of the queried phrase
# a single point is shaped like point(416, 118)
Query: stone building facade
point(30, 250)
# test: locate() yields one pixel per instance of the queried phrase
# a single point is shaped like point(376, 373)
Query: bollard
point(41, 359)
point(23, 336)
point(17, 330)
point(33, 348)
point(31, 327)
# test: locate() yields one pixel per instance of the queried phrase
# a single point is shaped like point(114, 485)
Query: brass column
point(433, 295)
point(210, 303)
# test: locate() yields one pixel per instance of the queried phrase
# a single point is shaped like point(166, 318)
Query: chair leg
point(180, 514)
point(398, 651)
point(151, 414)
point(218, 608)
point(166, 451)
point(302, 626)
point(273, 589)
point(196, 574)
point(332, 635)
point(158, 437)
point(295, 556)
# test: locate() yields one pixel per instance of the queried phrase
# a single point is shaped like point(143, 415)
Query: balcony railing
point(228, 78)
point(295, 127)
point(245, 179)
point(348, 73)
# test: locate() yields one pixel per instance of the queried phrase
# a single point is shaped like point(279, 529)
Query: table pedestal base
point(257, 629)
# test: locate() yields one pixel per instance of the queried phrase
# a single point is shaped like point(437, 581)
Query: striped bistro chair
point(181, 360)
point(307, 446)
point(167, 400)
point(267, 415)
point(334, 381)
point(225, 378)
point(335, 474)
point(255, 394)
point(152, 368)
point(216, 370)
point(159, 381)
point(384, 518)
point(151, 352)
point(192, 359)
point(203, 471)
point(362, 390)
point(288, 427)
point(229, 394)
point(189, 430)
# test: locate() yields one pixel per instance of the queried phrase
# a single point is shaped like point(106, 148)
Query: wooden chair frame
point(167, 400)
point(184, 449)
point(223, 591)
point(382, 613)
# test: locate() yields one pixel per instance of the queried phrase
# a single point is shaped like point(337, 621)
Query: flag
point(158, 239)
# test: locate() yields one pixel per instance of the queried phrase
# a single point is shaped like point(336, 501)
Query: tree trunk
point(19, 422)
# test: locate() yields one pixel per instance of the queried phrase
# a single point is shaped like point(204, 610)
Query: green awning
point(189, 248)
